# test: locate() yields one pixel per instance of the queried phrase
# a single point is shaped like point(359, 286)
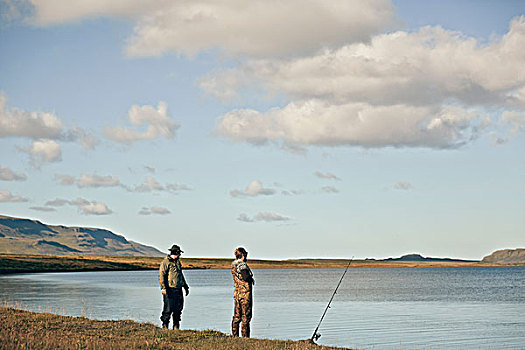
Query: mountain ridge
point(29, 236)
point(419, 257)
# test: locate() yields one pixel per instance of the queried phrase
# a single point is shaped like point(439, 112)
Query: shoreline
point(20, 329)
point(14, 263)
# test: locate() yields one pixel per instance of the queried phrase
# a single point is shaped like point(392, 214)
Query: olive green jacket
point(170, 274)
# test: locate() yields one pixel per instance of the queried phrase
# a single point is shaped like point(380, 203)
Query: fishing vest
point(243, 288)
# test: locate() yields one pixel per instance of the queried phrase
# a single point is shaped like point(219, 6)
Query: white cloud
point(263, 216)
point(7, 174)
point(329, 189)
point(255, 188)
point(291, 192)
point(95, 180)
point(156, 120)
point(327, 175)
point(515, 119)
point(154, 210)
point(253, 28)
point(39, 126)
point(65, 180)
point(7, 196)
point(399, 68)
point(150, 184)
point(91, 207)
point(403, 185)
point(43, 151)
point(35, 125)
point(58, 202)
point(394, 91)
point(320, 123)
point(44, 209)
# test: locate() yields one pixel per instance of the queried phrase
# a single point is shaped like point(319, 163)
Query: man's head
point(240, 253)
point(175, 250)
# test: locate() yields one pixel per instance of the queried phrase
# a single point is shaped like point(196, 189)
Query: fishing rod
point(317, 335)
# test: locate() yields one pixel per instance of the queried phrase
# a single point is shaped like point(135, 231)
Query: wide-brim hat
point(175, 249)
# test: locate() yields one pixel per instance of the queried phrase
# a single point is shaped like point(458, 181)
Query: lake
point(391, 308)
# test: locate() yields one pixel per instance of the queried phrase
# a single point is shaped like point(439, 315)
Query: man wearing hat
point(243, 294)
point(172, 282)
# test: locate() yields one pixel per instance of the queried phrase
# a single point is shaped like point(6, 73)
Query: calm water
point(441, 308)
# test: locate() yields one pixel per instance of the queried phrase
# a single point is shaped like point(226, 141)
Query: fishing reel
point(314, 337)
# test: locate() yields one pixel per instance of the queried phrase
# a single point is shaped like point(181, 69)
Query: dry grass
point(27, 330)
point(11, 263)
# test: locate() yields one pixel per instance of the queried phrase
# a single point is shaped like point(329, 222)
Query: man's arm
point(245, 273)
point(185, 285)
point(163, 270)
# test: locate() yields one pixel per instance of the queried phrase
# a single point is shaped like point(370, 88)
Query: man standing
point(243, 295)
point(172, 281)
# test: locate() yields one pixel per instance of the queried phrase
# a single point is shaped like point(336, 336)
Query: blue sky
point(295, 129)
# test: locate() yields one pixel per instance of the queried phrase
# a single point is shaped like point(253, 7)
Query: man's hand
point(187, 290)
point(163, 291)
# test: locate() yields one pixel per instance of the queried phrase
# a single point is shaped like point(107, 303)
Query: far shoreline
point(16, 263)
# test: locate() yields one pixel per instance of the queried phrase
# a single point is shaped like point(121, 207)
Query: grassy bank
point(27, 330)
point(10, 263)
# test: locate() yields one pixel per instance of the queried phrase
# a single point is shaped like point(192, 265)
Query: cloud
point(263, 216)
point(83, 137)
point(150, 184)
point(291, 192)
point(41, 127)
point(91, 207)
point(7, 174)
point(43, 151)
point(44, 209)
point(154, 210)
point(327, 175)
point(515, 119)
point(320, 123)
point(7, 196)
point(58, 202)
point(65, 180)
point(255, 188)
point(97, 181)
point(157, 121)
point(84, 206)
point(403, 185)
point(36, 125)
point(264, 28)
point(394, 91)
point(329, 189)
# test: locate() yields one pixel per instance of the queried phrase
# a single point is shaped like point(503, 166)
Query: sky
point(294, 128)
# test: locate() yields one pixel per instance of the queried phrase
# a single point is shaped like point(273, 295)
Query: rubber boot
point(245, 330)
point(235, 329)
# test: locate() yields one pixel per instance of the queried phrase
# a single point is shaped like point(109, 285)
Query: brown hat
point(175, 249)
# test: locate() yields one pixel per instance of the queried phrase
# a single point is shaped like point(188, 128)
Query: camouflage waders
point(243, 298)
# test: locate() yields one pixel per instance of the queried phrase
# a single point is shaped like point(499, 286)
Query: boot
point(245, 330)
point(176, 325)
point(165, 325)
point(235, 329)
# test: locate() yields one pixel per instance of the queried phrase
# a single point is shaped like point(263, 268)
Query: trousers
point(173, 303)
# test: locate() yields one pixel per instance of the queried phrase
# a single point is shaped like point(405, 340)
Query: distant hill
point(418, 257)
point(25, 236)
point(506, 256)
